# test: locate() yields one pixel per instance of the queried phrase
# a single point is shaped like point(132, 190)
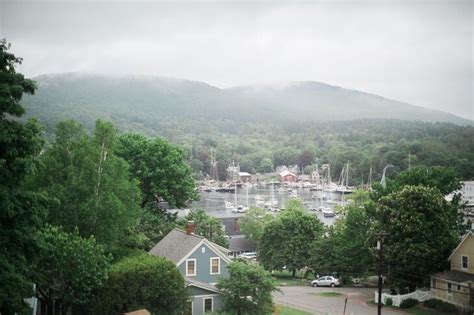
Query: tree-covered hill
point(261, 127)
point(149, 104)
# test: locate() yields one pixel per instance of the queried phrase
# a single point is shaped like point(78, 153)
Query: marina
point(235, 202)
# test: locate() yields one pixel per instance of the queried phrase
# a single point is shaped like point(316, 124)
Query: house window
point(215, 265)
point(450, 288)
point(191, 267)
point(433, 283)
point(208, 305)
point(464, 262)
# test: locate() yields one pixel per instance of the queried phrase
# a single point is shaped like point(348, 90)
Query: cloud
point(414, 51)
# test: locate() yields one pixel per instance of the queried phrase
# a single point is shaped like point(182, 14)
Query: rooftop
point(176, 245)
point(455, 276)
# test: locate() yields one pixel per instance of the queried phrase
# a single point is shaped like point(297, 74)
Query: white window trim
point(204, 304)
point(195, 267)
point(462, 256)
point(218, 266)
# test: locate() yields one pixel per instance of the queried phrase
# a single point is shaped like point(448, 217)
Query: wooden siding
point(460, 294)
point(466, 249)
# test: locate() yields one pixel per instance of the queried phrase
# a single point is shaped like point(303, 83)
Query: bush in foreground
point(388, 302)
point(441, 306)
point(247, 290)
point(408, 303)
point(140, 282)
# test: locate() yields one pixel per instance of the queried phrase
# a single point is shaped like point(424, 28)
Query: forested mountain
point(148, 103)
point(261, 127)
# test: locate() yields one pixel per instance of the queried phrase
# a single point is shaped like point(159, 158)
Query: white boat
point(328, 213)
point(240, 209)
point(259, 200)
point(308, 185)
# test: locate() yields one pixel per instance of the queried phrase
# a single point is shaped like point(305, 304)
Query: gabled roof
point(200, 284)
point(176, 245)
point(286, 173)
point(244, 174)
point(465, 237)
point(454, 276)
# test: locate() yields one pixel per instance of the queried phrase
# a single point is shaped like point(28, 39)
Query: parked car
point(328, 281)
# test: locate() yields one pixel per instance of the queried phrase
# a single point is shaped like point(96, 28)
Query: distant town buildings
point(467, 192)
point(288, 177)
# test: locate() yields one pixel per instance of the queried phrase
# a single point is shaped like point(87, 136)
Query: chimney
point(190, 228)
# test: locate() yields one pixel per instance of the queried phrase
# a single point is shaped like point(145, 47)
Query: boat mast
point(347, 175)
point(213, 170)
point(247, 194)
point(369, 180)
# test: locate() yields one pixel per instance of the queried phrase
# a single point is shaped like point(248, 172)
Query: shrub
point(408, 303)
point(388, 302)
point(142, 281)
point(441, 306)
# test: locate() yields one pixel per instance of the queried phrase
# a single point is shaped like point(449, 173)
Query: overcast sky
point(418, 52)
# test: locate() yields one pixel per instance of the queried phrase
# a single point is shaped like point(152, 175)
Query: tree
point(286, 240)
point(154, 223)
point(423, 230)
point(21, 210)
point(247, 290)
point(90, 185)
point(266, 165)
point(305, 158)
point(161, 169)
point(345, 248)
point(68, 268)
point(445, 179)
point(207, 226)
point(142, 281)
point(253, 223)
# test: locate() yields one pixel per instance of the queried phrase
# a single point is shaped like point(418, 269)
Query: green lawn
point(285, 310)
point(330, 294)
point(416, 310)
point(419, 310)
point(283, 278)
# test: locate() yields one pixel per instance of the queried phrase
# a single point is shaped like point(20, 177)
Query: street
point(309, 299)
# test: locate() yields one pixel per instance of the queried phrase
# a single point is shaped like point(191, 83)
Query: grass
point(420, 310)
point(416, 310)
point(330, 294)
point(284, 278)
point(285, 310)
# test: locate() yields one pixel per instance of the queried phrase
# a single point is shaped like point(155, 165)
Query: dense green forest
point(260, 129)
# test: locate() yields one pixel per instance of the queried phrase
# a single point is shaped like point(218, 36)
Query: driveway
point(309, 299)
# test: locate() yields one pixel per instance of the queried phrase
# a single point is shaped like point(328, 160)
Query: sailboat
point(272, 204)
point(343, 186)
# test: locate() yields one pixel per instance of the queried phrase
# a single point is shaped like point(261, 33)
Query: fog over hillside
point(148, 103)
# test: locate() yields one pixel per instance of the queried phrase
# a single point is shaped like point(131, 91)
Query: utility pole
point(380, 239)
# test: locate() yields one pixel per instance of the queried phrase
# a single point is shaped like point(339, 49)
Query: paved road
point(309, 299)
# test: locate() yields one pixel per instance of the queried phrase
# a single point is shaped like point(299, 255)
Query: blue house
point(200, 261)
